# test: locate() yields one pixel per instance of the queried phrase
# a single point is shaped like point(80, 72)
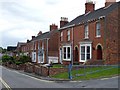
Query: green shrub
point(24, 59)
point(6, 58)
point(18, 62)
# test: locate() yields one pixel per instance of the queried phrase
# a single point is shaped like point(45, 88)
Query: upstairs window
point(98, 32)
point(68, 35)
point(86, 31)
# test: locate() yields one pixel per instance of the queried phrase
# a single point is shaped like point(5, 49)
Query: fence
point(89, 71)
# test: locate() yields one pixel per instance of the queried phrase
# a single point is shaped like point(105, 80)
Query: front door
point(76, 55)
point(99, 52)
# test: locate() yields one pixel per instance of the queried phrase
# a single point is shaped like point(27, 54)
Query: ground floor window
point(40, 56)
point(67, 53)
point(85, 52)
point(33, 56)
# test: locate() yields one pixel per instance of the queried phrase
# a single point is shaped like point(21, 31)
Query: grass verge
point(90, 73)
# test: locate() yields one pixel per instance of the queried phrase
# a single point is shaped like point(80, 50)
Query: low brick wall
point(29, 68)
point(54, 71)
point(43, 70)
point(37, 69)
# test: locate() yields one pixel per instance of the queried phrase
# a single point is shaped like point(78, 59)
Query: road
point(15, 79)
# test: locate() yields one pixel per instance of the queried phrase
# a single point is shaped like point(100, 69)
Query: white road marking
point(109, 78)
point(104, 78)
point(115, 77)
point(76, 81)
point(5, 84)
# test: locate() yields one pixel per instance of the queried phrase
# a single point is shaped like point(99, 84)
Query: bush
point(24, 59)
point(6, 58)
point(15, 60)
point(18, 63)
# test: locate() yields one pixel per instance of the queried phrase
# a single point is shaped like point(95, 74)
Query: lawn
point(90, 73)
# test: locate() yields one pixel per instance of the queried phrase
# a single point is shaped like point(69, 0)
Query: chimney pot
point(33, 37)
point(53, 27)
point(27, 41)
point(89, 6)
point(63, 21)
point(108, 2)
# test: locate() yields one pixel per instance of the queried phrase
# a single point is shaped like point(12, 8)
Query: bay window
point(85, 52)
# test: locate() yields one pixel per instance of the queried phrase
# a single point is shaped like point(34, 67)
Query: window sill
point(82, 60)
point(86, 38)
point(98, 36)
point(66, 59)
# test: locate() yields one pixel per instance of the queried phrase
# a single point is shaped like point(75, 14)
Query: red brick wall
point(53, 45)
point(109, 38)
point(119, 35)
point(112, 38)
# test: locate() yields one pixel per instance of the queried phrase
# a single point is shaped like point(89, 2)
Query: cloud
point(21, 19)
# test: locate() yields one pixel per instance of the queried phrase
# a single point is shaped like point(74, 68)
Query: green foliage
point(83, 72)
point(18, 62)
point(4, 50)
point(57, 66)
point(6, 58)
point(15, 60)
point(23, 59)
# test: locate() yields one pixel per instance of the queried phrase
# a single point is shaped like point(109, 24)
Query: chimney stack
point(53, 27)
point(108, 2)
point(89, 6)
point(40, 32)
point(33, 37)
point(63, 21)
point(28, 41)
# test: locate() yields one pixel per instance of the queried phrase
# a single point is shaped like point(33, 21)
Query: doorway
point(76, 54)
point(99, 52)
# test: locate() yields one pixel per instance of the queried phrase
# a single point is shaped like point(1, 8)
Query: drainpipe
point(47, 51)
point(105, 33)
point(72, 52)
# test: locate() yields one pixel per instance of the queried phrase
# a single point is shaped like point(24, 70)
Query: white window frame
point(86, 33)
point(98, 29)
point(43, 52)
point(61, 36)
point(85, 45)
point(67, 59)
point(68, 35)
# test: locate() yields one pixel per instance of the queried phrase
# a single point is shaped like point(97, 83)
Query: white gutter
point(66, 27)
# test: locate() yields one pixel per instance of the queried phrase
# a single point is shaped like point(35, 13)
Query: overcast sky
point(21, 19)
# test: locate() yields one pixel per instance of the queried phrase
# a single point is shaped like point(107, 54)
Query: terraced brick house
point(45, 46)
point(92, 37)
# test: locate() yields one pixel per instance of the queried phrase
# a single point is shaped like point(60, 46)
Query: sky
point(21, 19)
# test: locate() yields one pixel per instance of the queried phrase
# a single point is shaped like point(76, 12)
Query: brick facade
point(93, 36)
point(108, 40)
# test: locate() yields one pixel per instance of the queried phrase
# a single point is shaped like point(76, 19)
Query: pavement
point(41, 77)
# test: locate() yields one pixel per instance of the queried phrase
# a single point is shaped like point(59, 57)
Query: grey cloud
point(8, 40)
point(52, 2)
point(15, 10)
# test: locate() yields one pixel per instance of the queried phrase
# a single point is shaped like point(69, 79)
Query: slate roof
point(93, 15)
point(20, 43)
point(45, 35)
point(11, 48)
